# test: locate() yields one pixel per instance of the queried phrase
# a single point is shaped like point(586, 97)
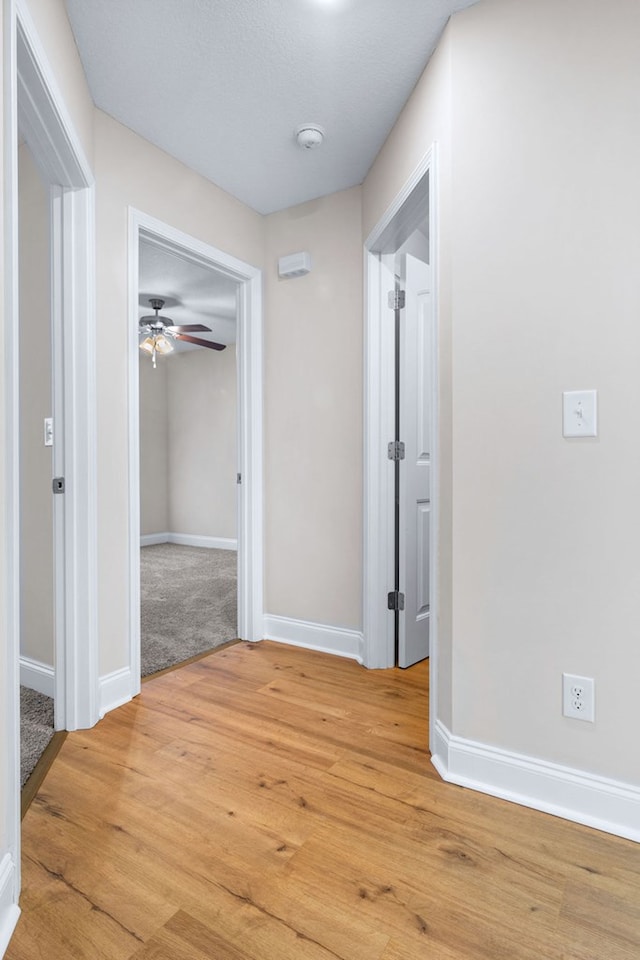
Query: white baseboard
point(585, 798)
point(211, 543)
point(115, 689)
point(37, 676)
point(149, 539)
point(9, 909)
point(315, 636)
point(189, 540)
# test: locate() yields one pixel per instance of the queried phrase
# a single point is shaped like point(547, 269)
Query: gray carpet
point(36, 729)
point(188, 603)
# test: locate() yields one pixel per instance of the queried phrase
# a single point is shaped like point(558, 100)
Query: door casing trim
point(379, 402)
point(31, 97)
point(250, 424)
point(43, 118)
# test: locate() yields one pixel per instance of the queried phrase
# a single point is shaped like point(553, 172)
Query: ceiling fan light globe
point(163, 345)
point(147, 345)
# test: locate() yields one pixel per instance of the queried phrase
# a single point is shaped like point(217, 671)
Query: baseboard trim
point(210, 543)
point(37, 676)
point(189, 540)
point(115, 689)
point(599, 802)
point(9, 909)
point(149, 539)
point(315, 636)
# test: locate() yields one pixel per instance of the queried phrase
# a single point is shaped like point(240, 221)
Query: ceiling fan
point(159, 331)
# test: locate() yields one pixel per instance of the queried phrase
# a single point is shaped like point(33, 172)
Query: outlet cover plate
point(578, 697)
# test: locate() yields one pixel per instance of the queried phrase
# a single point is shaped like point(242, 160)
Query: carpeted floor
point(36, 729)
point(188, 602)
point(189, 606)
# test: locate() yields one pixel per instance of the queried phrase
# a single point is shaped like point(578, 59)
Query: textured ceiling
point(222, 85)
point(193, 294)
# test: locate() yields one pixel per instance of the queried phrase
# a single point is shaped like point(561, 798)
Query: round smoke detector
point(309, 136)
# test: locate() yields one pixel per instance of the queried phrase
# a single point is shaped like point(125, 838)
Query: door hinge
point(57, 484)
point(238, 478)
point(395, 450)
point(395, 600)
point(396, 299)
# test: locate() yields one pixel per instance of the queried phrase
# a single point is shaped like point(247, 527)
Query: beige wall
point(36, 513)
point(538, 150)
point(188, 445)
point(154, 447)
point(203, 459)
point(130, 171)
point(313, 414)
point(546, 152)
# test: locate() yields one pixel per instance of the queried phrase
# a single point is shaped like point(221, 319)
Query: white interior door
point(416, 427)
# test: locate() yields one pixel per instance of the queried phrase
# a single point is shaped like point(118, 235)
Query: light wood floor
point(268, 803)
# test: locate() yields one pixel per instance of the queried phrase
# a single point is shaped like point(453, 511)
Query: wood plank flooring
point(270, 803)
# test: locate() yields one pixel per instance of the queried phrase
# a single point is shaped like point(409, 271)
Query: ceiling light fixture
point(156, 344)
point(309, 135)
point(160, 332)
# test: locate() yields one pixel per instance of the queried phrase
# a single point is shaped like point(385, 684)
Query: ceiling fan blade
point(198, 342)
point(189, 328)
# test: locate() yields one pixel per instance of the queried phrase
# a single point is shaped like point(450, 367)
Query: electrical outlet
point(578, 697)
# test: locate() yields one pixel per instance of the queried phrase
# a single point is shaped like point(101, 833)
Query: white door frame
point(33, 101)
point(250, 459)
point(58, 154)
point(379, 492)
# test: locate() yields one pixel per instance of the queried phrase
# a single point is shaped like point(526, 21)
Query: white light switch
point(48, 431)
point(580, 413)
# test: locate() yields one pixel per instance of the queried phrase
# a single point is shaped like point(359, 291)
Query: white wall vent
point(295, 265)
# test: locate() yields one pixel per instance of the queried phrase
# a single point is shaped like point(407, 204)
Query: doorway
point(401, 495)
point(188, 458)
point(34, 106)
point(244, 321)
point(38, 573)
point(68, 182)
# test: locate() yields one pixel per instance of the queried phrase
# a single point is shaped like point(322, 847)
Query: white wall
point(36, 513)
point(313, 415)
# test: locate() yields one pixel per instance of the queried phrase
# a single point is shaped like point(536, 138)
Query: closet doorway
point(401, 511)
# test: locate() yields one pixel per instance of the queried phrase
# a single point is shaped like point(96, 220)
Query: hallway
point(271, 803)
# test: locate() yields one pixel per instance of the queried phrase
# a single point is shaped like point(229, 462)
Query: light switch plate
point(580, 413)
point(48, 431)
